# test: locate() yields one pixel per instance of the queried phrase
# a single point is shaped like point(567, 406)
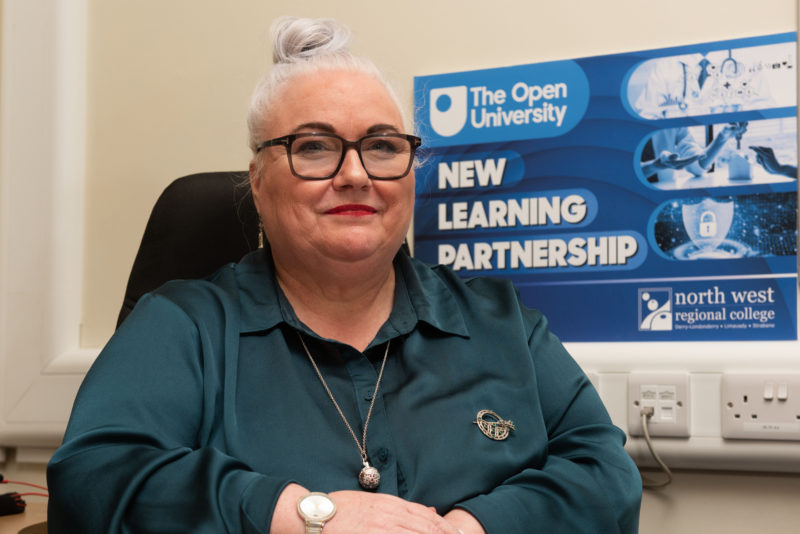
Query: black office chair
point(198, 224)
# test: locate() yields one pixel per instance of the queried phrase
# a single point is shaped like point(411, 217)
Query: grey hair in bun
point(302, 45)
point(296, 39)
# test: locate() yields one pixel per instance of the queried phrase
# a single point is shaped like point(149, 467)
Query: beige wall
point(168, 87)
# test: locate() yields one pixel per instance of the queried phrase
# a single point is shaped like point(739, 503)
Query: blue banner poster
point(646, 196)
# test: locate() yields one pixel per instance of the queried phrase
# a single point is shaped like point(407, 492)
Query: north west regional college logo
point(655, 309)
point(448, 110)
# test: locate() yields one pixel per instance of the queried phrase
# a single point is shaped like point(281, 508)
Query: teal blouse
point(204, 406)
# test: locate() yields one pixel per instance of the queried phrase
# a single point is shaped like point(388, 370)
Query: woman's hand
point(358, 512)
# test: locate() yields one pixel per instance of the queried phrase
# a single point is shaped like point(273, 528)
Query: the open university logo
point(448, 110)
point(655, 309)
point(502, 104)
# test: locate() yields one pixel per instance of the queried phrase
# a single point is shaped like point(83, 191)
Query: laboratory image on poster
point(720, 155)
point(645, 196)
point(713, 81)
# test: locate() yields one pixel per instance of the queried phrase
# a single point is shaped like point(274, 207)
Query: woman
point(329, 382)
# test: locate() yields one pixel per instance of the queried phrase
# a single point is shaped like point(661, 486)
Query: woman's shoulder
point(225, 283)
point(190, 290)
point(484, 294)
point(477, 284)
point(204, 300)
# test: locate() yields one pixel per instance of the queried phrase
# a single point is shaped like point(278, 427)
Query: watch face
point(316, 506)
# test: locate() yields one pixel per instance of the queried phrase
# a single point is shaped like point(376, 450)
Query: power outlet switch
point(761, 406)
point(668, 395)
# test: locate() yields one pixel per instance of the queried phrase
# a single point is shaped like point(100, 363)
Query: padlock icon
point(708, 224)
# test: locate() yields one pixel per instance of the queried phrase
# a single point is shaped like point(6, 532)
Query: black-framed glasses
point(319, 156)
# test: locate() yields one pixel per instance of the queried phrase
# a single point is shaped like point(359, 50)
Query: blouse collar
point(420, 295)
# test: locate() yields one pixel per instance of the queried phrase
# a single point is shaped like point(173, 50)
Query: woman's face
point(348, 217)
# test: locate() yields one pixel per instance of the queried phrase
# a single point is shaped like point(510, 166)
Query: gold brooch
point(493, 426)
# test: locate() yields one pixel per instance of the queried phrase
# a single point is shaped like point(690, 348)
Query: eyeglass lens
point(319, 156)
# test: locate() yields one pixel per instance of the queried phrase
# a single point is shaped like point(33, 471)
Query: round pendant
point(369, 478)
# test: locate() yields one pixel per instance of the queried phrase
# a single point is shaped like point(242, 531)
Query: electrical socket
point(668, 395)
point(761, 406)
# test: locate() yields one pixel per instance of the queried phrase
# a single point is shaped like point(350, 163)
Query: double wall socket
point(761, 406)
point(668, 395)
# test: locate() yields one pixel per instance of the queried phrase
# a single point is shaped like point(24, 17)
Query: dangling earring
point(260, 233)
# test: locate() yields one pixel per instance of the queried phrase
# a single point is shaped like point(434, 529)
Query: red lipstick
point(352, 209)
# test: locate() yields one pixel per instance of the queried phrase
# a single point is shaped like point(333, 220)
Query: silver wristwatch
point(315, 508)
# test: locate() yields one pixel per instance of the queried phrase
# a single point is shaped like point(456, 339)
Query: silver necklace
point(369, 478)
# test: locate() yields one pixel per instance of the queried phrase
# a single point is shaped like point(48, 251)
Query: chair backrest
point(198, 224)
